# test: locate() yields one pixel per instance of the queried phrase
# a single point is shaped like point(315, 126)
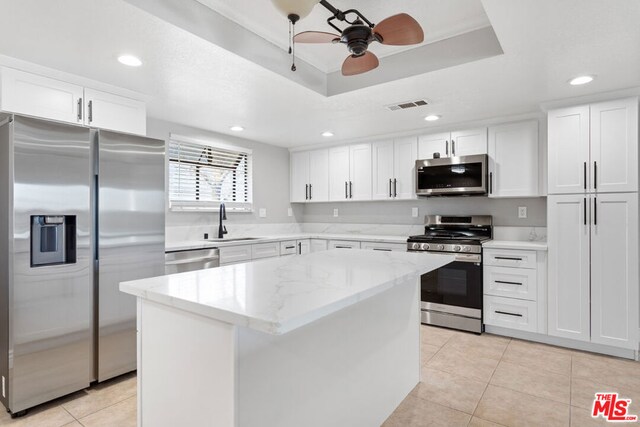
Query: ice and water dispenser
point(53, 240)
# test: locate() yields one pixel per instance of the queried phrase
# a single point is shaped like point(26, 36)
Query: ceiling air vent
point(407, 105)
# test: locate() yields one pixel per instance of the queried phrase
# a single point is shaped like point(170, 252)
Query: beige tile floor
point(467, 380)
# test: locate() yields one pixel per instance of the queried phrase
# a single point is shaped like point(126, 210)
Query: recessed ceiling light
point(581, 80)
point(432, 118)
point(129, 60)
point(237, 128)
point(327, 134)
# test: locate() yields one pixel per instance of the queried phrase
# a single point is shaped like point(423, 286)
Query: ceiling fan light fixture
point(301, 8)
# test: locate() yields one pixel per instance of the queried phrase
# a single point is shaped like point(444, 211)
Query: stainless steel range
point(452, 295)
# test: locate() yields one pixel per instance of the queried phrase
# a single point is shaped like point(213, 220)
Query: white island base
point(325, 339)
point(351, 368)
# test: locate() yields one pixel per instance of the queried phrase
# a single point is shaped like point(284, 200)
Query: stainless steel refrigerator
point(80, 211)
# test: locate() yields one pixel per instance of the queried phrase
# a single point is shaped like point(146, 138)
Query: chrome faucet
point(222, 230)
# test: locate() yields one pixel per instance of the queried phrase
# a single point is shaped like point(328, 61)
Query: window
point(204, 174)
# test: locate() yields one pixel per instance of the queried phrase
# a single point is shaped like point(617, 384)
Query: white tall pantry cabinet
point(593, 223)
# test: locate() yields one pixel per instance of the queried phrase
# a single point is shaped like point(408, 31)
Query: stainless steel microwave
point(452, 176)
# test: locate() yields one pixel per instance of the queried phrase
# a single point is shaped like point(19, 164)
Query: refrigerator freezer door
point(50, 307)
point(131, 210)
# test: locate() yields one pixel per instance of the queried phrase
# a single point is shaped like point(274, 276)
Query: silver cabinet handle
point(585, 211)
point(300, 248)
point(508, 314)
point(595, 175)
point(446, 148)
point(310, 189)
point(453, 148)
point(90, 111)
point(382, 249)
point(289, 247)
point(584, 170)
point(79, 109)
point(395, 187)
point(390, 181)
point(346, 190)
point(350, 190)
point(344, 247)
point(595, 211)
point(306, 191)
point(508, 258)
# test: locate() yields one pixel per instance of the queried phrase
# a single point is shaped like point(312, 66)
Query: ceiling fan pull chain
point(290, 38)
point(293, 50)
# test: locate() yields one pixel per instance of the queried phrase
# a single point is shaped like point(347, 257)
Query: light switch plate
point(522, 212)
point(414, 212)
point(263, 213)
point(290, 212)
point(335, 213)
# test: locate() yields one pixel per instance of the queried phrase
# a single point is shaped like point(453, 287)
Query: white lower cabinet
point(511, 313)
point(265, 250)
point(317, 245)
point(593, 268)
point(343, 244)
point(384, 247)
point(235, 254)
point(288, 247)
point(514, 289)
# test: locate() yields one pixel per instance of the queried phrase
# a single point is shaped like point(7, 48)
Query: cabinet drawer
point(511, 282)
point(265, 250)
point(510, 313)
point(343, 244)
point(234, 254)
point(289, 247)
point(509, 258)
point(318, 245)
point(388, 247)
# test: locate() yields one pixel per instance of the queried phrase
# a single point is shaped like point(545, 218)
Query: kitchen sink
point(238, 239)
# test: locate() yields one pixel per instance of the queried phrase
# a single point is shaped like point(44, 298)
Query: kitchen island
point(324, 339)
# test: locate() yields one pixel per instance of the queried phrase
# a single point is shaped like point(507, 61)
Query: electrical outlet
point(263, 213)
point(522, 212)
point(290, 212)
point(414, 212)
point(335, 213)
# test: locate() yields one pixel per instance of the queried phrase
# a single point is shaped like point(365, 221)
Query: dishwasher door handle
point(192, 260)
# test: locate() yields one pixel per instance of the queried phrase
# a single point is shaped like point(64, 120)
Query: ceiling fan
point(397, 30)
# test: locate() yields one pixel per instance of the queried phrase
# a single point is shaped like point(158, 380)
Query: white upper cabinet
point(594, 148)
point(33, 95)
point(568, 150)
point(394, 168)
point(469, 142)
point(108, 111)
point(319, 175)
point(428, 145)
point(513, 160)
point(310, 176)
point(38, 96)
point(614, 270)
point(568, 278)
point(299, 176)
point(339, 173)
point(360, 172)
point(453, 144)
point(614, 146)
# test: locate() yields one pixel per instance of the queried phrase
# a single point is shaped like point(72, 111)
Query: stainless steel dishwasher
point(191, 260)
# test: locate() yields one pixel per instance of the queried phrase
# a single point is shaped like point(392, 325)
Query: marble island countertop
point(183, 245)
point(278, 295)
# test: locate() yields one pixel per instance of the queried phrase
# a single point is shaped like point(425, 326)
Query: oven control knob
point(425, 246)
point(466, 249)
point(457, 248)
point(415, 246)
point(440, 247)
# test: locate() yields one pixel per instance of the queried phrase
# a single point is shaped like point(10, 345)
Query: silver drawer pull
point(508, 283)
point(508, 314)
point(508, 258)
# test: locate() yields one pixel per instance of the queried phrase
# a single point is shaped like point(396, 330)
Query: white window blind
point(202, 175)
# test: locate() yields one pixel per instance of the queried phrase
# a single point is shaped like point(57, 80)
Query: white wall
point(270, 179)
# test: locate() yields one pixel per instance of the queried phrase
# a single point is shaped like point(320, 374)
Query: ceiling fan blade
point(359, 64)
point(399, 30)
point(315, 37)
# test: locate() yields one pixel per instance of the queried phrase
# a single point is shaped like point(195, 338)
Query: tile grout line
point(490, 378)
point(101, 409)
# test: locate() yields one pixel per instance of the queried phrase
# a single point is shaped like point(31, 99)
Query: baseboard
point(564, 342)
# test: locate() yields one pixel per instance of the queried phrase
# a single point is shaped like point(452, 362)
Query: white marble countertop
point(278, 295)
point(515, 244)
point(202, 244)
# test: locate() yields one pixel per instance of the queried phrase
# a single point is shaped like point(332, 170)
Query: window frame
point(207, 206)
